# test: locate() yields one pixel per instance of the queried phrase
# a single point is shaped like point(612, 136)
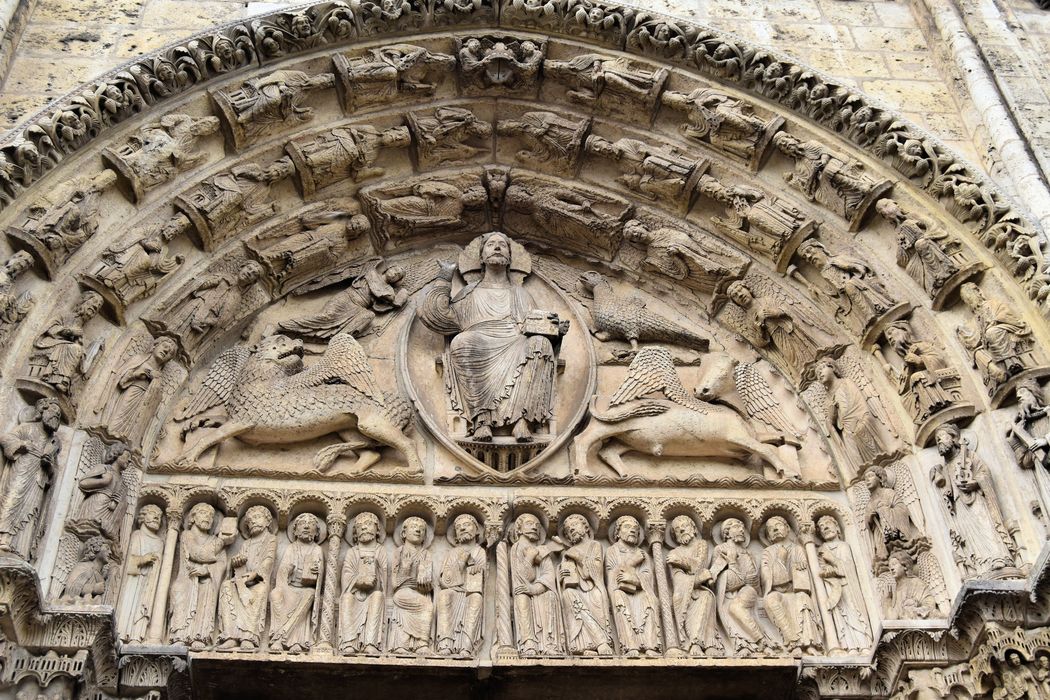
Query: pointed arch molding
point(172, 206)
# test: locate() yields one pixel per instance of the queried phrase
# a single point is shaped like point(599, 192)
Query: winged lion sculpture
point(265, 395)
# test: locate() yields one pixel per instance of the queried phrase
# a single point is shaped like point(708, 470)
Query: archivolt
point(595, 131)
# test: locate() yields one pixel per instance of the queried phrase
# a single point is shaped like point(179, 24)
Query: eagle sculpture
point(619, 317)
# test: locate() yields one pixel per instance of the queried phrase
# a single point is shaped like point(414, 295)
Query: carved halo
point(399, 538)
point(470, 259)
point(669, 538)
point(349, 536)
point(322, 528)
point(272, 527)
point(719, 538)
point(479, 526)
point(512, 530)
point(763, 535)
point(592, 522)
point(615, 526)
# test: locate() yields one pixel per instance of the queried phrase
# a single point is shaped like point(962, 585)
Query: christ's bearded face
point(496, 251)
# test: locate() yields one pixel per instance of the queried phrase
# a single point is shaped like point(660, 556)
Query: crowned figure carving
point(501, 354)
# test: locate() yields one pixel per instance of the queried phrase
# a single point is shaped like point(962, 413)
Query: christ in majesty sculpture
point(500, 360)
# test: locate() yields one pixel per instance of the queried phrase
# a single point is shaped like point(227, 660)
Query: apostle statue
point(844, 600)
point(295, 603)
point(365, 577)
point(195, 592)
point(413, 581)
point(30, 452)
point(736, 576)
point(537, 618)
point(786, 587)
point(500, 361)
point(632, 590)
point(585, 604)
point(242, 597)
point(460, 599)
point(692, 589)
point(141, 576)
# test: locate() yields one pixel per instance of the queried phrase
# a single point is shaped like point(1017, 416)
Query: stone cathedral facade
point(518, 348)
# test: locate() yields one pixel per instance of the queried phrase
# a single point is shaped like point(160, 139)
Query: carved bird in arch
point(619, 317)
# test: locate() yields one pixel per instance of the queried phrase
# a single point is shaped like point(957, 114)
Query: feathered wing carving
point(652, 370)
point(344, 362)
point(759, 401)
point(218, 384)
point(564, 277)
point(816, 397)
point(904, 486)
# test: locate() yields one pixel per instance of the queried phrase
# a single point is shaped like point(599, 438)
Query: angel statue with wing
point(265, 395)
point(500, 360)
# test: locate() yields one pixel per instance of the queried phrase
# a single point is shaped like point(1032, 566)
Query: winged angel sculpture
point(687, 427)
point(265, 395)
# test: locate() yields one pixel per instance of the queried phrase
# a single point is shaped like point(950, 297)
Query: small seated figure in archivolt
point(687, 427)
point(263, 394)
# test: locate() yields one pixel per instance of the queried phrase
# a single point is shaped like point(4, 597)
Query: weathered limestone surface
point(495, 344)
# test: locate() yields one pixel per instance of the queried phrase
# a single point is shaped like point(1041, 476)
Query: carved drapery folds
point(650, 315)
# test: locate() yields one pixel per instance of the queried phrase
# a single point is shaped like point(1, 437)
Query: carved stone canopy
point(416, 334)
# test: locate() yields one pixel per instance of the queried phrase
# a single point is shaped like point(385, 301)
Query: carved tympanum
point(501, 355)
point(675, 425)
